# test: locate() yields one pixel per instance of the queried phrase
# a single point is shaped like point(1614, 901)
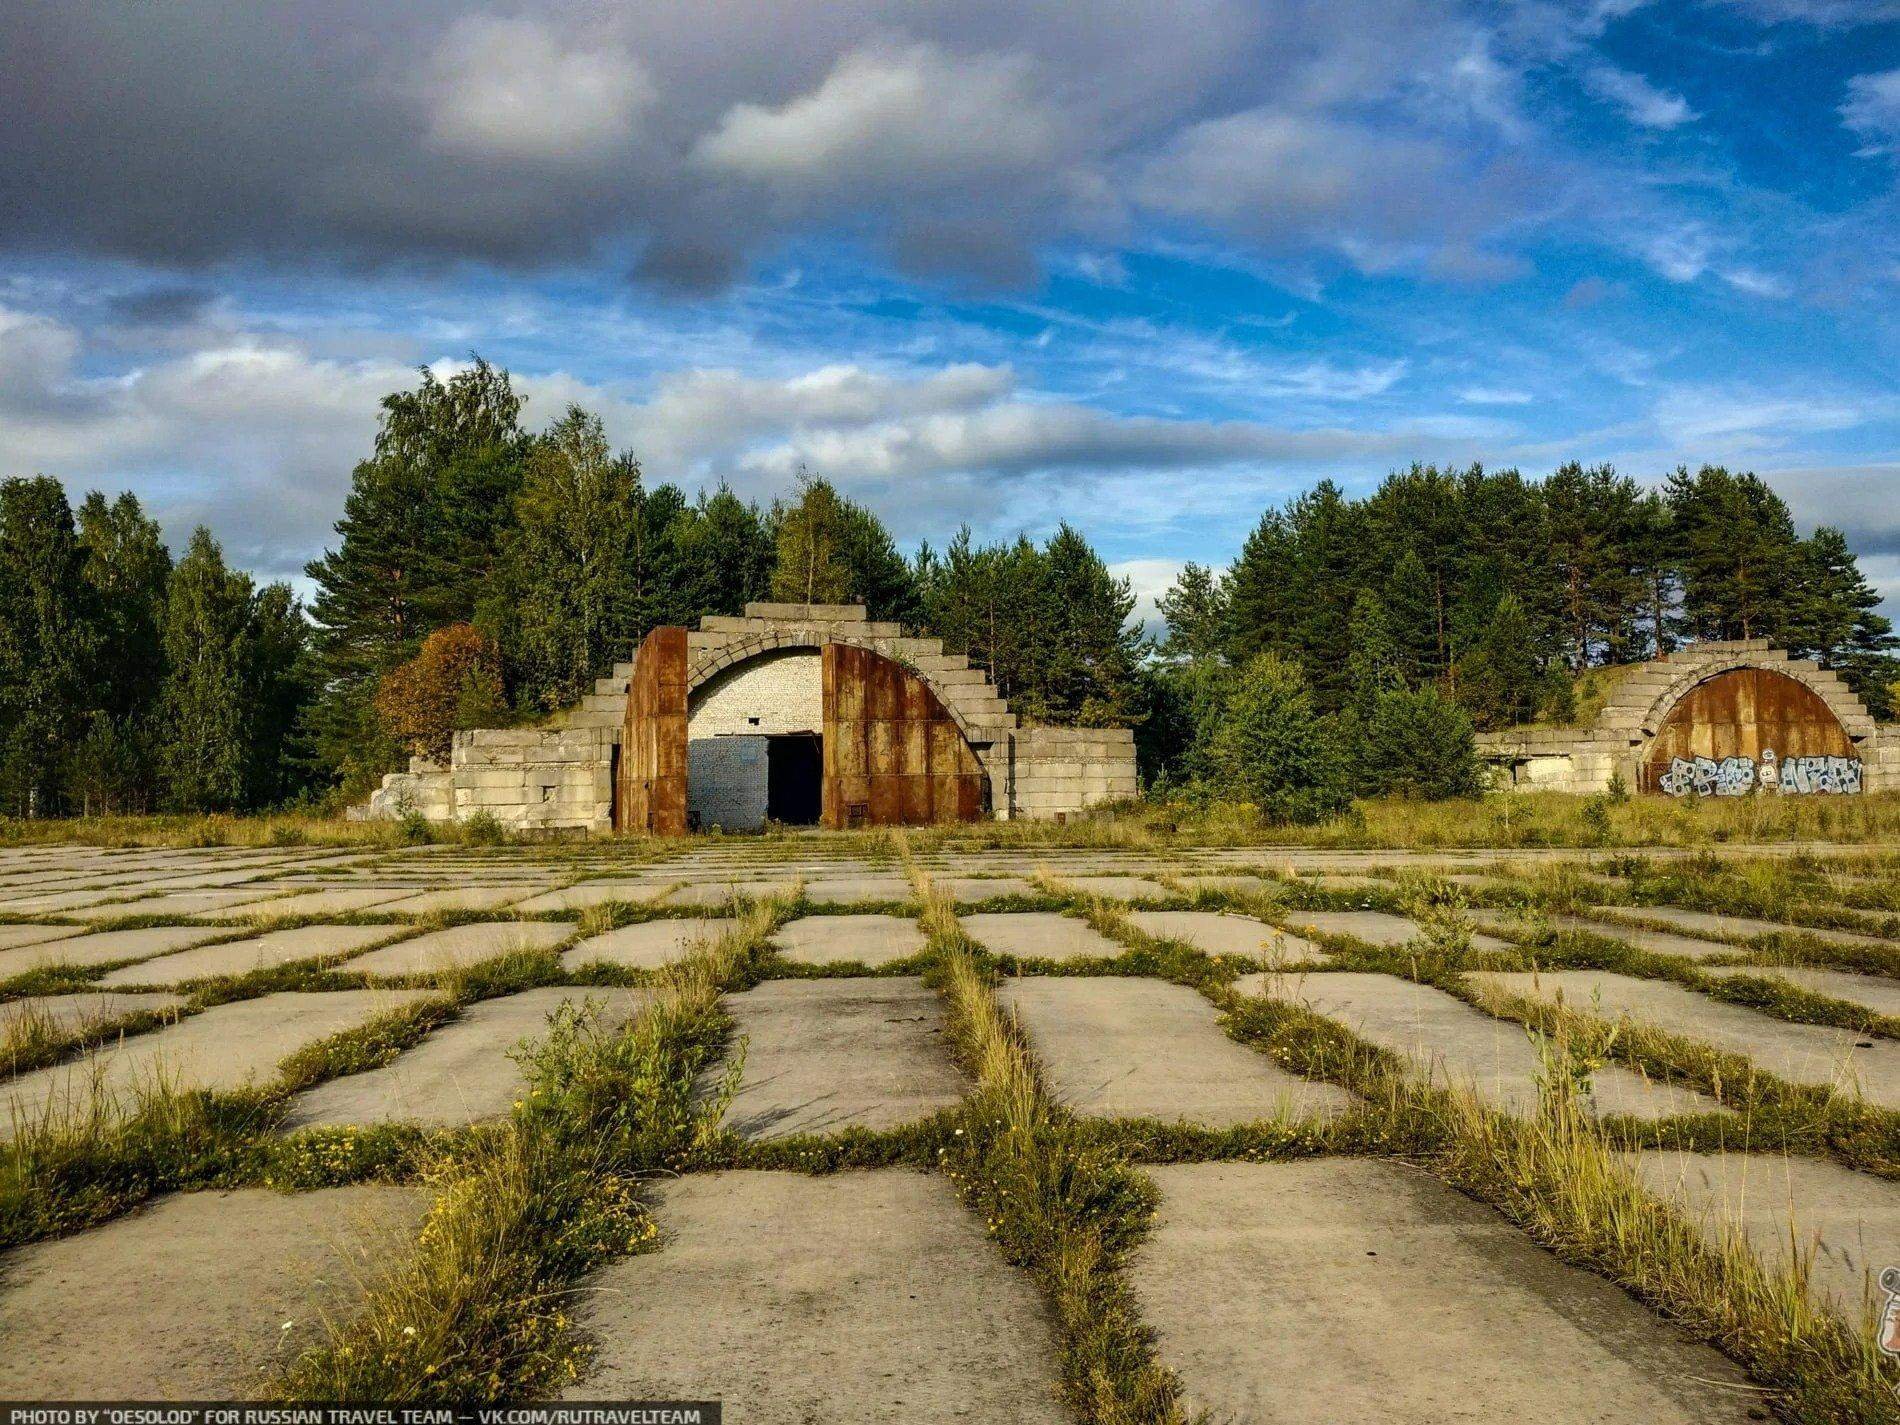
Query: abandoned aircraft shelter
point(793, 714)
point(1713, 719)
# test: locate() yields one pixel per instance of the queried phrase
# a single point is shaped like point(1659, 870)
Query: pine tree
point(1258, 588)
point(1739, 555)
point(280, 682)
point(1274, 748)
point(47, 657)
point(1834, 619)
point(420, 544)
point(1197, 614)
point(205, 754)
point(126, 569)
point(725, 553)
point(1093, 655)
point(1411, 615)
point(570, 556)
point(1419, 744)
point(1501, 678)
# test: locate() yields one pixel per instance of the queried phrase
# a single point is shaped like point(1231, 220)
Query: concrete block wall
point(535, 778)
point(1051, 771)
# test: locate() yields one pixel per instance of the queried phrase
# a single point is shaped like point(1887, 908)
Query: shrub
point(1420, 744)
point(453, 683)
point(1274, 748)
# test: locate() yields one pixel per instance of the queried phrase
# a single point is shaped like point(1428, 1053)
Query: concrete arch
point(755, 645)
point(1848, 710)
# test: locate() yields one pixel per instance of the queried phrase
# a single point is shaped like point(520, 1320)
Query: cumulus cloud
point(1641, 102)
point(508, 88)
point(683, 142)
point(911, 118)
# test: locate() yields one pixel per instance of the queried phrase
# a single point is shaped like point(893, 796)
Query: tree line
point(129, 682)
point(484, 572)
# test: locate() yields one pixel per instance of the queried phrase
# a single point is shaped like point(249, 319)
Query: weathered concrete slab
point(1846, 1223)
point(1717, 926)
point(718, 893)
point(850, 889)
point(226, 1047)
point(1458, 1046)
point(462, 1073)
point(211, 904)
point(1240, 884)
point(965, 890)
point(1357, 1289)
point(592, 893)
point(869, 940)
point(463, 898)
point(188, 1299)
point(645, 946)
point(856, 1299)
point(105, 948)
point(1116, 888)
point(1656, 942)
point(822, 1055)
point(1040, 935)
point(74, 1013)
point(1375, 927)
point(329, 901)
point(1875, 992)
point(460, 946)
point(12, 937)
point(1215, 933)
point(244, 957)
point(1812, 1054)
point(1140, 1048)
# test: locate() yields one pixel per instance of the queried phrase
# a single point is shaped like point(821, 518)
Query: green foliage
point(46, 643)
point(1500, 680)
point(208, 652)
point(1273, 748)
point(1050, 626)
point(571, 555)
point(1419, 744)
point(1196, 609)
point(829, 550)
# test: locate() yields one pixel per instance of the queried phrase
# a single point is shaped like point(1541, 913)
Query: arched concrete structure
point(590, 767)
point(1623, 739)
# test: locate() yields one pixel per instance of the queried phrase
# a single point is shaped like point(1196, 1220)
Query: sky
point(1149, 266)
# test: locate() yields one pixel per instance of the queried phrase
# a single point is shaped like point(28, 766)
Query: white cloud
point(1872, 111)
point(1721, 424)
point(511, 89)
point(1148, 580)
point(1641, 102)
point(910, 118)
point(1491, 396)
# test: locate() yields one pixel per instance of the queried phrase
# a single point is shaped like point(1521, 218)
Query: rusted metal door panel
point(650, 788)
point(1737, 731)
point(893, 754)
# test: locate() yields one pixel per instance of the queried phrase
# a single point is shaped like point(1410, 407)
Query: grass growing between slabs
point(1059, 1204)
point(90, 1155)
point(480, 1311)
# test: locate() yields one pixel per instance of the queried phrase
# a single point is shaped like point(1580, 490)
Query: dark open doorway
point(794, 775)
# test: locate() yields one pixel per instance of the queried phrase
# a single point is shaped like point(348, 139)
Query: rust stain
point(893, 754)
point(1744, 713)
point(650, 786)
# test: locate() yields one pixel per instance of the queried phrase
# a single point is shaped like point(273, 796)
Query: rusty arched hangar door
point(1748, 729)
point(891, 755)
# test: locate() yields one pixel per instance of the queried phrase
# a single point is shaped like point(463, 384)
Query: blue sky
point(1147, 267)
